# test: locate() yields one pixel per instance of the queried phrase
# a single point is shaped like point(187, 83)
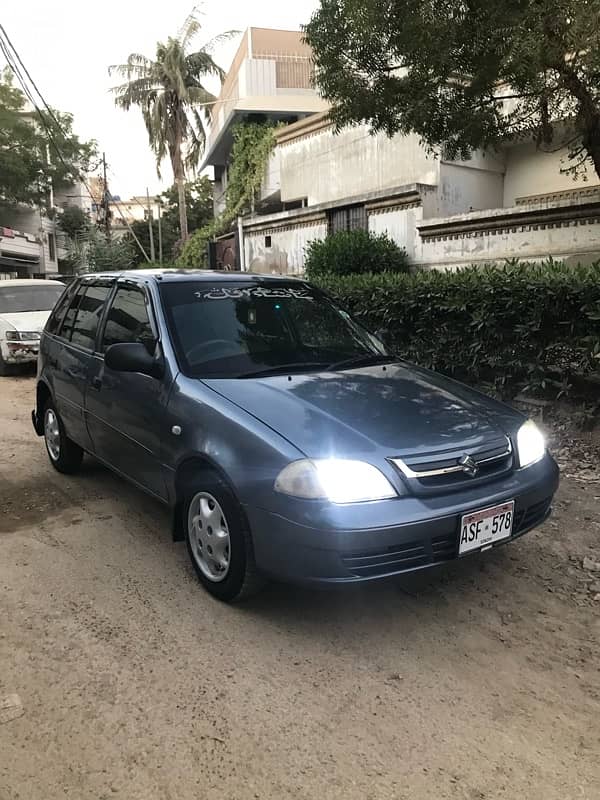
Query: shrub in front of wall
point(522, 326)
point(354, 252)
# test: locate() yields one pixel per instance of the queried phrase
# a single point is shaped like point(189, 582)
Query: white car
point(25, 305)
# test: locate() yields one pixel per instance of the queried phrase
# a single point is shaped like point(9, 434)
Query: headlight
point(531, 444)
point(22, 336)
point(335, 479)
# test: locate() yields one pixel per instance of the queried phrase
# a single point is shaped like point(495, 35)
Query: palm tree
point(174, 103)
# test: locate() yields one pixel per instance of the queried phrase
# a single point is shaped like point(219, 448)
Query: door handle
point(96, 383)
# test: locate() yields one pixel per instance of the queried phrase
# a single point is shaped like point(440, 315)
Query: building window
point(351, 218)
point(51, 247)
point(267, 241)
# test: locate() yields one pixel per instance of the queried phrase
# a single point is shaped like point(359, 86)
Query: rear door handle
point(96, 384)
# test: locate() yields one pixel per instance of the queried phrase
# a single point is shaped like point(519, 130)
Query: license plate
point(486, 527)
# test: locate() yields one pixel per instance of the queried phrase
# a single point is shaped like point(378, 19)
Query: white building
point(515, 203)
point(31, 242)
point(270, 78)
point(126, 212)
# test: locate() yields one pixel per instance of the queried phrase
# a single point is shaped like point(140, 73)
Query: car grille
point(401, 558)
point(528, 517)
point(412, 555)
point(443, 471)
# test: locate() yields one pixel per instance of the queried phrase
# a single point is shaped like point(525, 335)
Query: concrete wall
point(400, 225)
point(272, 181)
point(464, 187)
point(257, 76)
point(326, 167)
point(268, 41)
point(286, 254)
point(525, 232)
point(561, 235)
point(532, 172)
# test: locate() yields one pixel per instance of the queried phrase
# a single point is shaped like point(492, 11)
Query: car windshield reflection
point(250, 330)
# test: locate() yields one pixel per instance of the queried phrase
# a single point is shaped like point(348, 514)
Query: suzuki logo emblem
point(469, 466)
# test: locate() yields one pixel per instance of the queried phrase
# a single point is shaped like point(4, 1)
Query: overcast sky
point(67, 46)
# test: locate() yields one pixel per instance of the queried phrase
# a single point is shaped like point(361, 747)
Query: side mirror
point(133, 357)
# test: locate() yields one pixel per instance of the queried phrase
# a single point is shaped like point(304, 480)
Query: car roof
point(175, 275)
point(30, 282)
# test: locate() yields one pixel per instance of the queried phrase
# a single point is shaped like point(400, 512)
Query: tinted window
point(14, 299)
point(88, 315)
point(55, 319)
point(128, 320)
point(69, 320)
point(234, 330)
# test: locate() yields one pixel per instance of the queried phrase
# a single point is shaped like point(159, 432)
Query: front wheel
point(218, 540)
point(65, 456)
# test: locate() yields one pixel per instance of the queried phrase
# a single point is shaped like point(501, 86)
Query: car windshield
point(249, 329)
point(16, 299)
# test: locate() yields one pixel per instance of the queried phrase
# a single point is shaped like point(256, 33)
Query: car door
point(125, 410)
point(69, 354)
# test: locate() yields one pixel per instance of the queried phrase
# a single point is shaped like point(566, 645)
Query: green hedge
point(354, 252)
point(534, 327)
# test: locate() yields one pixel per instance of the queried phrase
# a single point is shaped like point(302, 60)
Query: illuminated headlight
point(335, 479)
point(531, 444)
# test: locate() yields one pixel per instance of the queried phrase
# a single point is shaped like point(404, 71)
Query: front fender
point(203, 425)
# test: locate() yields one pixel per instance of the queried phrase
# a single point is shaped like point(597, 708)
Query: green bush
point(514, 327)
point(354, 252)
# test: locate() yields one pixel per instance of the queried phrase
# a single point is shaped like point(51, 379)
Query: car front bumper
point(19, 352)
point(425, 534)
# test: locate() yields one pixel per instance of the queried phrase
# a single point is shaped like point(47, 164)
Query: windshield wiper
point(284, 368)
point(365, 360)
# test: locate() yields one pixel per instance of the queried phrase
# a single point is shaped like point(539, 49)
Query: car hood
point(396, 410)
point(26, 320)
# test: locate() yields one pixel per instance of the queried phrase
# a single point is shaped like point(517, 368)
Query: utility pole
point(160, 254)
point(150, 228)
point(106, 199)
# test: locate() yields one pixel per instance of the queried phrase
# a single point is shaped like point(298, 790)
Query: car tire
point(213, 520)
point(65, 456)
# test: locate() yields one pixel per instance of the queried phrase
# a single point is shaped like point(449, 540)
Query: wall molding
point(270, 227)
point(589, 193)
point(512, 222)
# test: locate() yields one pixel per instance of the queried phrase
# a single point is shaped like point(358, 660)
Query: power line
point(6, 47)
point(33, 83)
point(16, 71)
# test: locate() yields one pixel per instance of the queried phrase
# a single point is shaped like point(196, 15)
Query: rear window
point(88, 315)
point(18, 299)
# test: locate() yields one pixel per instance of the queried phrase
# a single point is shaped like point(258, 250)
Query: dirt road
point(478, 680)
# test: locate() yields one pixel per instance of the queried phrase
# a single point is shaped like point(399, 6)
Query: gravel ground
point(477, 680)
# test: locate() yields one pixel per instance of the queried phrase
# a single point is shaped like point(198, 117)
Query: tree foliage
point(73, 221)
point(174, 103)
point(253, 143)
point(28, 161)
point(352, 253)
point(199, 206)
point(93, 251)
point(465, 74)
